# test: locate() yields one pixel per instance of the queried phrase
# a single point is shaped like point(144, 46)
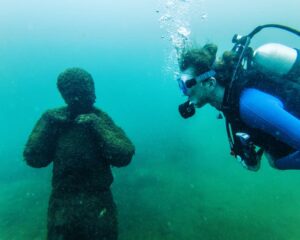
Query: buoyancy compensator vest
point(273, 68)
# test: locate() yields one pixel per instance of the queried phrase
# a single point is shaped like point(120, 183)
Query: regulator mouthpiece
point(186, 109)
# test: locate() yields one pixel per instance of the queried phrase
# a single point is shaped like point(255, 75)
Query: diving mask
point(187, 81)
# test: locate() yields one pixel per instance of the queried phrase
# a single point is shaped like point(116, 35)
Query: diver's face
point(198, 94)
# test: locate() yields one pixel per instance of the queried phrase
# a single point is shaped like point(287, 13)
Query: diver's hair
point(224, 67)
point(201, 59)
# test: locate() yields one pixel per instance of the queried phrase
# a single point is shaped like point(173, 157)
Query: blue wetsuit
point(263, 111)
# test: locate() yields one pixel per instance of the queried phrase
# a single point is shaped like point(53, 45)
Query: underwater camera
point(186, 109)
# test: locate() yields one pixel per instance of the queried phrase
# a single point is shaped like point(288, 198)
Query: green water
point(182, 183)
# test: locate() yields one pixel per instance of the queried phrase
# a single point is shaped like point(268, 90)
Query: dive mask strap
point(200, 78)
point(205, 76)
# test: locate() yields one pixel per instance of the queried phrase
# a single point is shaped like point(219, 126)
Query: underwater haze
point(182, 183)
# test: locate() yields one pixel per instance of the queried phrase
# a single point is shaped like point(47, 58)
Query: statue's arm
point(116, 146)
point(39, 148)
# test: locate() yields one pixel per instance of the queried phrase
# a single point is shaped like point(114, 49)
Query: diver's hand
point(57, 116)
point(90, 119)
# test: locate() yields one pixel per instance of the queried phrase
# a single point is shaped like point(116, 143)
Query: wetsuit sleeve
point(117, 147)
point(39, 148)
point(265, 112)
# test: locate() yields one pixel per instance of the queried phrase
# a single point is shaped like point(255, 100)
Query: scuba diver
point(258, 93)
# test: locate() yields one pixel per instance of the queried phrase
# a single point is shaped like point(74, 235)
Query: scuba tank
point(274, 59)
point(286, 59)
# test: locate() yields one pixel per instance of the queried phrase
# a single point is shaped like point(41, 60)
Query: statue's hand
point(90, 119)
point(57, 116)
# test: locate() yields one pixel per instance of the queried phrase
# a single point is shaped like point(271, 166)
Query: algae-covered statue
point(83, 143)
